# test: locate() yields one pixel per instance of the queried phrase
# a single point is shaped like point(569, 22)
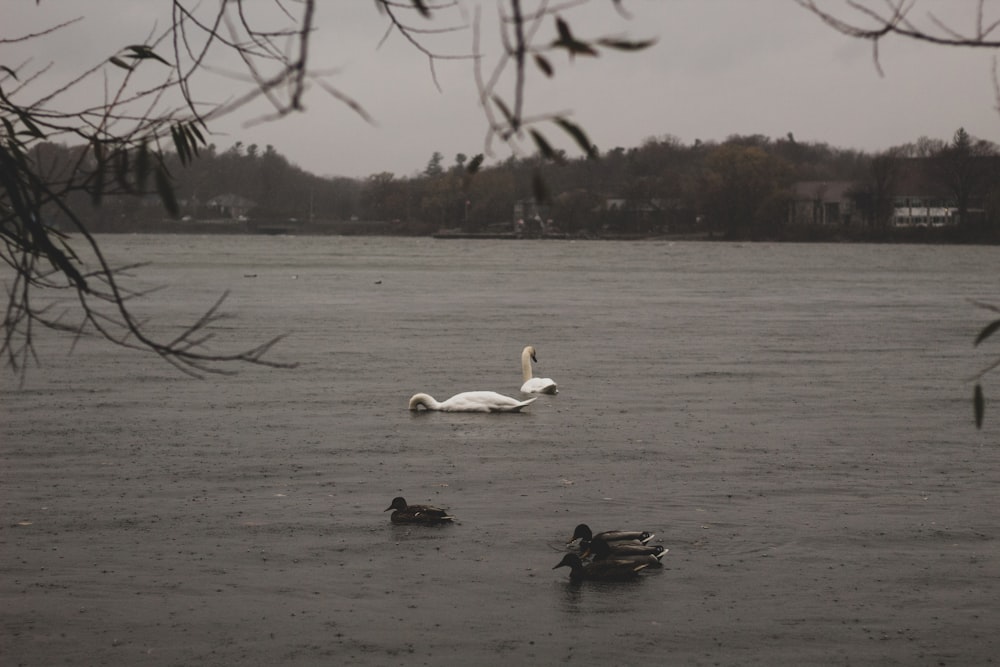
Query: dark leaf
point(193, 129)
point(979, 404)
point(569, 42)
point(421, 7)
point(8, 126)
point(626, 45)
point(544, 65)
point(191, 139)
point(30, 124)
point(118, 62)
point(180, 143)
point(544, 147)
point(142, 166)
point(143, 52)
point(565, 34)
point(579, 136)
point(987, 331)
point(166, 191)
point(474, 164)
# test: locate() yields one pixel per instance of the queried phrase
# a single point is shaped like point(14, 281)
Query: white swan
point(470, 401)
point(533, 385)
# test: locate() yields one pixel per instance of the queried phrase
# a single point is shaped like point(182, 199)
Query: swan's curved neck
point(526, 354)
point(425, 400)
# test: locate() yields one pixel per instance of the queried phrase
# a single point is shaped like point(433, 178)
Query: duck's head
point(599, 548)
point(398, 503)
point(571, 561)
point(582, 532)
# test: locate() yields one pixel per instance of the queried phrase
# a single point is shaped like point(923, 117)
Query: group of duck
point(612, 555)
point(492, 401)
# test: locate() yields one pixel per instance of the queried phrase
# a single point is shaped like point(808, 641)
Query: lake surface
point(794, 422)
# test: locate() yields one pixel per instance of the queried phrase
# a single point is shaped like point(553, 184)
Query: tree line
point(739, 188)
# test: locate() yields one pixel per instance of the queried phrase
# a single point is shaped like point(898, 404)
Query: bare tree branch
point(150, 110)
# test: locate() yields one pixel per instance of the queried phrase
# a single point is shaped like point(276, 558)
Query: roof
point(822, 190)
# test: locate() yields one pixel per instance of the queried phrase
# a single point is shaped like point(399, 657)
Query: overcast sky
point(719, 67)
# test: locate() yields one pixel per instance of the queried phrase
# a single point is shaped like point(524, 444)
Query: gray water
point(794, 422)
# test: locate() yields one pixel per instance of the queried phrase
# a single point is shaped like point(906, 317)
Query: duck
point(586, 536)
point(600, 570)
point(533, 385)
point(427, 515)
point(638, 553)
point(471, 401)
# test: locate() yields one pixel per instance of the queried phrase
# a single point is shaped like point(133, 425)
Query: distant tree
point(968, 168)
point(875, 194)
point(440, 203)
point(574, 211)
point(739, 186)
point(434, 167)
point(491, 195)
point(377, 195)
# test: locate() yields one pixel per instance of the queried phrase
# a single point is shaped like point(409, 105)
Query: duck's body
point(627, 550)
point(600, 570)
point(586, 537)
point(470, 401)
point(427, 515)
point(533, 385)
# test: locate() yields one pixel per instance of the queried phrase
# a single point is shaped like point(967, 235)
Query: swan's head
point(418, 400)
point(398, 503)
point(582, 532)
point(529, 353)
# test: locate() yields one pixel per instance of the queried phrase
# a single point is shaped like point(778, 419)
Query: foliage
point(662, 186)
point(978, 399)
point(738, 182)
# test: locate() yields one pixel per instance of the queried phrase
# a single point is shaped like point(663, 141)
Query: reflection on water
point(595, 598)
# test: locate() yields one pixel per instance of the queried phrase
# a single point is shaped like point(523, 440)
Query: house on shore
point(231, 206)
point(822, 203)
point(920, 198)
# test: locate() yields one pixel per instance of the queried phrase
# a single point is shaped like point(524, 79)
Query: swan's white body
point(533, 385)
point(470, 401)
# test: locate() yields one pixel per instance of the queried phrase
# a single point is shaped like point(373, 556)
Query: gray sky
point(720, 67)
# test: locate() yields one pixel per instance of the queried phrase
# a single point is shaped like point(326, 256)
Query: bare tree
point(876, 20)
point(150, 109)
